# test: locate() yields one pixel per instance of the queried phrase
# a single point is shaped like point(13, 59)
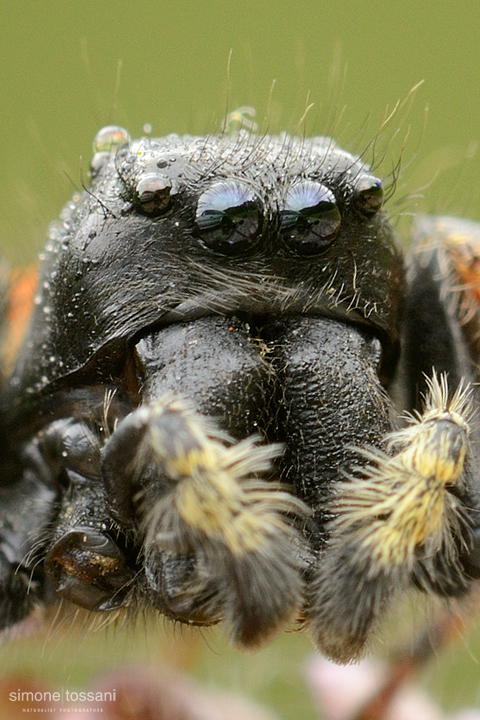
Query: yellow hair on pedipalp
point(222, 538)
point(399, 505)
point(215, 493)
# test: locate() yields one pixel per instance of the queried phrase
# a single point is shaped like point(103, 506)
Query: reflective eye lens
point(310, 218)
point(227, 219)
point(153, 194)
point(368, 194)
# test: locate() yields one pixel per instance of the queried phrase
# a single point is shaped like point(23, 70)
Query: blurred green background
point(69, 68)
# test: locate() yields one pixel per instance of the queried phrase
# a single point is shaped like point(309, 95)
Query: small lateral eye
point(368, 194)
point(310, 219)
point(153, 194)
point(227, 219)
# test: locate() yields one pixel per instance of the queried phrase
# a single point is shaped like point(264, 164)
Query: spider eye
point(153, 194)
point(310, 218)
point(227, 219)
point(368, 194)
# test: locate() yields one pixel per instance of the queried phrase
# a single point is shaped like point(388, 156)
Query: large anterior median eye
point(227, 219)
point(310, 218)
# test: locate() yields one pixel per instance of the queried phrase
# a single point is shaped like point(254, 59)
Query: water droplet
point(110, 138)
point(240, 119)
point(98, 162)
point(126, 208)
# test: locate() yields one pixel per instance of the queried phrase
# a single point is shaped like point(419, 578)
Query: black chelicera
point(205, 416)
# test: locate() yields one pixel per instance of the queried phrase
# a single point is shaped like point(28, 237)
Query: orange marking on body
point(465, 255)
point(21, 291)
point(461, 249)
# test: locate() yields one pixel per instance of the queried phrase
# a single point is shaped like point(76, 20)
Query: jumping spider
point(207, 413)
